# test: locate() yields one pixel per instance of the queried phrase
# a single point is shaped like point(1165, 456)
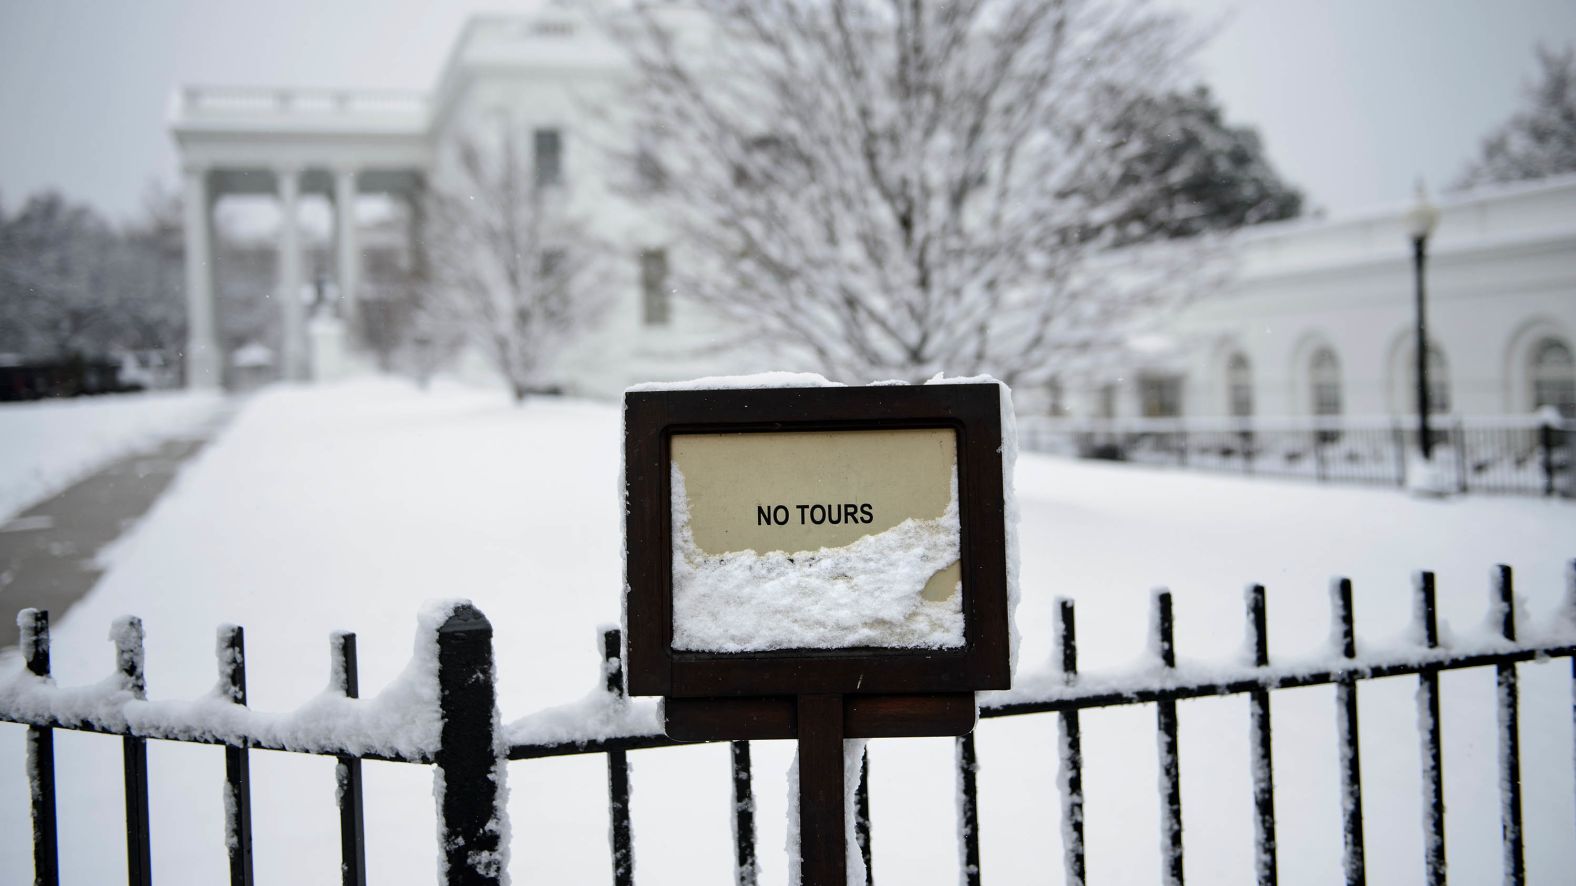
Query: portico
point(289, 144)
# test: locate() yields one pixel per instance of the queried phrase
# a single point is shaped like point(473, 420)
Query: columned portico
point(291, 144)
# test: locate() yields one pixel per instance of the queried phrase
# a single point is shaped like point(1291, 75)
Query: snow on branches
point(897, 190)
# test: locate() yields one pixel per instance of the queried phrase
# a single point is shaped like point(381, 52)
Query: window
point(1160, 395)
point(1553, 374)
point(654, 287)
point(1239, 386)
point(1055, 402)
point(1324, 375)
point(549, 157)
point(552, 265)
point(1107, 405)
point(648, 170)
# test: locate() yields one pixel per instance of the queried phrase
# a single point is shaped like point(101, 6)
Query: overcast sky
point(1355, 98)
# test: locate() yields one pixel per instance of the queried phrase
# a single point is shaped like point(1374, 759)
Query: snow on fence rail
point(442, 711)
point(1517, 454)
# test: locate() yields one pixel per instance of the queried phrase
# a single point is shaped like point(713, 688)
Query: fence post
point(746, 870)
point(470, 769)
point(1461, 454)
point(237, 763)
point(34, 628)
point(1546, 444)
point(1260, 745)
point(1398, 446)
point(1170, 763)
point(1071, 746)
point(1428, 724)
point(134, 754)
point(347, 769)
point(968, 810)
point(1346, 728)
point(1509, 736)
point(618, 768)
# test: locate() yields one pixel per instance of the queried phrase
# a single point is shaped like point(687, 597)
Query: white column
point(349, 251)
point(203, 358)
point(288, 290)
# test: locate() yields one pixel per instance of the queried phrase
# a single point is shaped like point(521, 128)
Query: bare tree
point(1540, 139)
point(509, 268)
point(896, 189)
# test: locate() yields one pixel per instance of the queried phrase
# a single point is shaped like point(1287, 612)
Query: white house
point(1319, 317)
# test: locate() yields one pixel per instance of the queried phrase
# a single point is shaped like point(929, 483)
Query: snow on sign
point(807, 539)
point(815, 539)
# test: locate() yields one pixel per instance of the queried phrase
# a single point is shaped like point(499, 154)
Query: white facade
point(1501, 274)
point(1500, 284)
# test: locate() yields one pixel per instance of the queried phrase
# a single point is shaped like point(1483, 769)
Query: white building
point(1319, 318)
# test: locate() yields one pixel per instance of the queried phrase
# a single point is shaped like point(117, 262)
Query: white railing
point(229, 101)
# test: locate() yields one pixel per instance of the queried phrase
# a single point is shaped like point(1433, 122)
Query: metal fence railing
point(1518, 454)
point(468, 751)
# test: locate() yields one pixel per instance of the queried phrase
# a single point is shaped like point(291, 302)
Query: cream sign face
point(816, 540)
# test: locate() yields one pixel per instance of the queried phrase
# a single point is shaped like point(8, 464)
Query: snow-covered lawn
point(47, 446)
point(346, 507)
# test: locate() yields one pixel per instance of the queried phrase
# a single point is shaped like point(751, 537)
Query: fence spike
point(1509, 735)
point(1346, 728)
point(1071, 747)
point(619, 831)
point(862, 813)
point(346, 680)
point(746, 870)
point(127, 634)
point(237, 762)
point(968, 809)
point(1170, 761)
point(33, 625)
point(1265, 865)
point(1428, 728)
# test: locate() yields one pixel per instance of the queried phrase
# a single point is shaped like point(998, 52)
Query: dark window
point(1055, 402)
point(1554, 376)
point(1160, 396)
point(654, 287)
point(1324, 376)
point(1239, 386)
point(1107, 404)
point(549, 157)
point(552, 264)
point(648, 170)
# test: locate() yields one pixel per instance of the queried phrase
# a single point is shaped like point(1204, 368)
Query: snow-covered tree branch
point(510, 269)
point(896, 189)
point(1540, 139)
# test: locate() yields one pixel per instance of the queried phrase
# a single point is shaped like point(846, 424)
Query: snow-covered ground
point(47, 446)
point(346, 507)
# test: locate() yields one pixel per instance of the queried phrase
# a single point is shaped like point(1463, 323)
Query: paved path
point(49, 552)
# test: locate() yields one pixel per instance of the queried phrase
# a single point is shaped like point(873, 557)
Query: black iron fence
point(469, 751)
point(1517, 454)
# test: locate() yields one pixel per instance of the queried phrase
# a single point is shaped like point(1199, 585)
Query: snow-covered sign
point(825, 539)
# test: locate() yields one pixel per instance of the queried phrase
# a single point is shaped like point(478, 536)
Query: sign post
point(816, 564)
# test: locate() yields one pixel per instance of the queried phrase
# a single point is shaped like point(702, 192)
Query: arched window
point(1553, 375)
point(1239, 386)
point(1324, 377)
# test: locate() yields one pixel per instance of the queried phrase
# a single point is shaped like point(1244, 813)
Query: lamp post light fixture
point(1421, 221)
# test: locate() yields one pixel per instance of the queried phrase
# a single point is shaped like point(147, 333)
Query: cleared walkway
point(49, 552)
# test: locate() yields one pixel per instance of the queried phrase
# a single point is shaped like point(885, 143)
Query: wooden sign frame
point(652, 418)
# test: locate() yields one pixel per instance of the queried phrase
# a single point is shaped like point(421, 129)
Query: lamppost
point(1421, 221)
